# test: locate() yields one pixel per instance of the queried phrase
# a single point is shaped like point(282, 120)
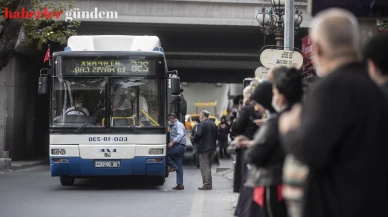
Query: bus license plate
point(107, 164)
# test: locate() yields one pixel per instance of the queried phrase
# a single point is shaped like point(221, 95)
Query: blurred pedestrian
point(288, 90)
point(223, 132)
point(194, 144)
point(341, 135)
point(244, 125)
point(266, 156)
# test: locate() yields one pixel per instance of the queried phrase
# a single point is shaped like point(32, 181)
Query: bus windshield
point(75, 100)
point(131, 102)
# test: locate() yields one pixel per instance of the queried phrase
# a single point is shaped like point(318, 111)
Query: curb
point(29, 165)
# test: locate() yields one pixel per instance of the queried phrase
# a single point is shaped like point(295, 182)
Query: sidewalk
point(226, 171)
point(24, 164)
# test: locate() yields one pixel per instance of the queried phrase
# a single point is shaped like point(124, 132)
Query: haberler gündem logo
point(74, 13)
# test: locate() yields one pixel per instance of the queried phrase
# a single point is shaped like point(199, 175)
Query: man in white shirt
point(122, 102)
point(143, 106)
point(77, 108)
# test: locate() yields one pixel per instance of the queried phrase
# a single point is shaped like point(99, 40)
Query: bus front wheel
point(67, 180)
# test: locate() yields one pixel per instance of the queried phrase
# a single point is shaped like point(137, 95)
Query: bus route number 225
point(108, 139)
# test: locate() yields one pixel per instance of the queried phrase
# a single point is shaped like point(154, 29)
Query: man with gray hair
point(206, 139)
point(341, 135)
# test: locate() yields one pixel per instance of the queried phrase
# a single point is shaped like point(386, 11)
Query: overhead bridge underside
point(212, 54)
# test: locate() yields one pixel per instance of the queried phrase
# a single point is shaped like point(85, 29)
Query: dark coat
point(384, 88)
point(243, 125)
point(343, 139)
point(266, 155)
point(206, 136)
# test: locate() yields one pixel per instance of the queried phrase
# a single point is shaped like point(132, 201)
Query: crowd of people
point(318, 151)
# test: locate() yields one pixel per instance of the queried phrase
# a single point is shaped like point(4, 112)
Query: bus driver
point(77, 108)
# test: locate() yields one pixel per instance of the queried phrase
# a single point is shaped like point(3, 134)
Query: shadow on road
point(117, 182)
point(111, 183)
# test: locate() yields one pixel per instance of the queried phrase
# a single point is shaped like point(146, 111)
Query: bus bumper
point(78, 167)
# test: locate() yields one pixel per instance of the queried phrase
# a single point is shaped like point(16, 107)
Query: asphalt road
point(33, 193)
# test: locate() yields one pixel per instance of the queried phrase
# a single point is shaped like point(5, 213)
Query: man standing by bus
point(176, 149)
point(206, 138)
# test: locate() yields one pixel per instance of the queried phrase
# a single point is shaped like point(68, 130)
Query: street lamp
point(278, 5)
point(298, 18)
point(273, 21)
point(266, 21)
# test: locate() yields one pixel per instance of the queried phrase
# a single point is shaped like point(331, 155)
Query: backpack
point(183, 105)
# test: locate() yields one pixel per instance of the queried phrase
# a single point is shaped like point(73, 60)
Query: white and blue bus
point(97, 126)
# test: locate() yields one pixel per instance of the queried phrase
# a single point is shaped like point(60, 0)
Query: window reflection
point(135, 102)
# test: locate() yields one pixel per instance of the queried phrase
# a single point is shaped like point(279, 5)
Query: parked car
point(190, 120)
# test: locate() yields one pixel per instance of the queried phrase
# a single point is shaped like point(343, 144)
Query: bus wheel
point(158, 180)
point(67, 180)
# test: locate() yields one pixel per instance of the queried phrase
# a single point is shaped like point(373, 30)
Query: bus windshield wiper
point(133, 128)
point(91, 118)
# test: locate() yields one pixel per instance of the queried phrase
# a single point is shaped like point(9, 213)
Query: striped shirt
point(178, 133)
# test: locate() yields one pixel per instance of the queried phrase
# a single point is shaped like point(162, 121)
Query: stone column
point(5, 162)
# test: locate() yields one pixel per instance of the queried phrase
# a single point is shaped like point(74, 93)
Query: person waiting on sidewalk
point(376, 54)
point(244, 125)
point(176, 149)
point(266, 157)
point(206, 138)
point(288, 90)
point(341, 135)
point(194, 144)
point(223, 132)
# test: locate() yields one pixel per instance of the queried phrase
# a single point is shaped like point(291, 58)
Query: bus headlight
point(156, 151)
point(57, 151)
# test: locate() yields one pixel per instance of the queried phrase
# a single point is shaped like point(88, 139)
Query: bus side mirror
point(175, 86)
point(43, 86)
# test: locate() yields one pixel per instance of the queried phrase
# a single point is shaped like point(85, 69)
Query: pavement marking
point(196, 206)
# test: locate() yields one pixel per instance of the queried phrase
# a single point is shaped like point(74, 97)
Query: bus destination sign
point(105, 66)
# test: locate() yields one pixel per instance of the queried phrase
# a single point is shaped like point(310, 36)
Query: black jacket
point(266, 155)
point(243, 124)
point(343, 139)
point(206, 136)
point(384, 88)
